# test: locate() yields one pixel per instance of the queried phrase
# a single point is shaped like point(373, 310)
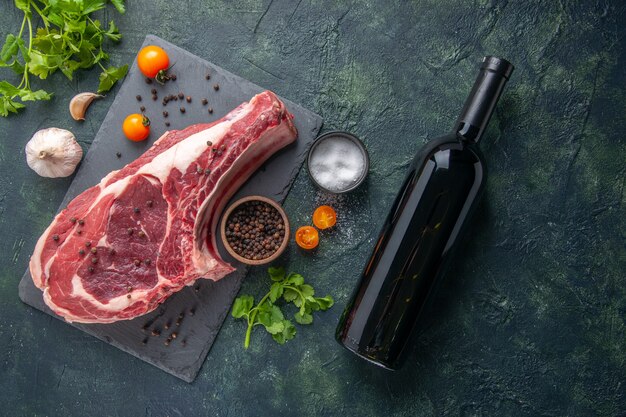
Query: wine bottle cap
point(498, 65)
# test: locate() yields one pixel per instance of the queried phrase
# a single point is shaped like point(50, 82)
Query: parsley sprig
point(69, 40)
point(285, 289)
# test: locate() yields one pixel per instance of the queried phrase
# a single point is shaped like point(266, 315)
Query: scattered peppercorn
point(138, 97)
point(164, 102)
point(181, 96)
point(141, 233)
point(129, 288)
point(111, 251)
point(94, 250)
point(118, 154)
point(88, 244)
point(166, 325)
point(144, 341)
point(216, 87)
point(210, 110)
point(91, 269)
point(199, 170)
point(81, 222)
point(165, 114)
point(196, 288)
point(137, 262)
point(78, 232)
point(167, 124)
point(128, 296)
point(55, 238)
point(182, 109)
point(147, 261)
point(154, 97)
point(207, 77)
point(184, 343)
point(174, 335)
point(209, 143)
point(167, 341)
point(129, 231)
point(173, 77)
point(156, 332)
point(149, 203)
point(142, 108)
point(207, 171)
point(188, 99)
point(192, 312)
point(136, 209)
point(153, 91)
point(255, 230)
point(73, 220)
point(148, 80)
point(205, 101)
point(81, 252)
point(94, 260)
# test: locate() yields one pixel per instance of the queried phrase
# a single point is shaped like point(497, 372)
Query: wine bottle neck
point(479, 106)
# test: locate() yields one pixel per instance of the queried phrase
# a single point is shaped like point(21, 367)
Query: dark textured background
point(532, 320)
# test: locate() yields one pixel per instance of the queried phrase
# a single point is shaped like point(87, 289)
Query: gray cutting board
point(210, 301)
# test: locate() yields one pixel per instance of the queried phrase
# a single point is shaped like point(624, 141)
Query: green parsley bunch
point(267, 313)
point(69, 39)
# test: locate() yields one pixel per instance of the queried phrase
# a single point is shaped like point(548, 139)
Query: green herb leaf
point(28, 95)
point(288, 333)
point(303, 318)
point(276, 274)
point(9, 106)
point(242, 306)
point(276, 290)
point(10, 48)
point(295, 279)
point(289, 295)
point(113, 33)
point(24, 5)
point(119, 5)
point(325, 302)
point(110, 76)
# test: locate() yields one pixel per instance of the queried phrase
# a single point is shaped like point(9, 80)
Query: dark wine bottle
point(426, 222)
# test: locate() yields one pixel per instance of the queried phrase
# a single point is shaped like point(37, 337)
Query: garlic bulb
point(53, 152)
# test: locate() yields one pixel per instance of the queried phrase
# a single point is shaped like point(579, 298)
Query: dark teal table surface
point(532, 319)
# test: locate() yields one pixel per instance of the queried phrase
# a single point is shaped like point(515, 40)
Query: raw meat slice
point(122, 247)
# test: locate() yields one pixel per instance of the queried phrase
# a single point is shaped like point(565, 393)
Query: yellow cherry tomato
point(136, 127)
point(324, 217)
point(307, 237)
point(153, 61)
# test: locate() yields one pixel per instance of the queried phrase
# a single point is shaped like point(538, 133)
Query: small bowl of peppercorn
point(255, 230)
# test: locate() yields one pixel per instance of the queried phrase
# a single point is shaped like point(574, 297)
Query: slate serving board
point(199, 310)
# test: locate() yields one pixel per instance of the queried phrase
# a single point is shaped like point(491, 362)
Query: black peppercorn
point(81, 252)
point(149, 203)
point(216, 87)
point(153, 91)
point(91, 269)
point(55, 238)
point(207, 77)
point(136, 209)
point(94, 250)
point(154, 97)
point(181, 96)
point(88, 244)
point(148, 80)
point(167, 124)
point(129, 231)
point(118, 154)
point(141, 233)
point(142, 108)
point(205, 101)
point(94, 260)
point(138, 97)
point(210, 110)
point(73, 220)
point(81, 222)
point(182, 109)
point(137, 262)
point(173, 77)
point(165, 114)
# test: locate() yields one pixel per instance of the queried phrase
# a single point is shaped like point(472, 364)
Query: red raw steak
point(122, 247)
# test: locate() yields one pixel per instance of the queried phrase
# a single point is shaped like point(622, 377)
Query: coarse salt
point(337, 163)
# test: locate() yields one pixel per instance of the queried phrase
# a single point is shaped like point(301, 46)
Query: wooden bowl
point(283, 244)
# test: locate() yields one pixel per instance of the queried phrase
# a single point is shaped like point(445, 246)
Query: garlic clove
point(80, 103)
point(53, 152)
